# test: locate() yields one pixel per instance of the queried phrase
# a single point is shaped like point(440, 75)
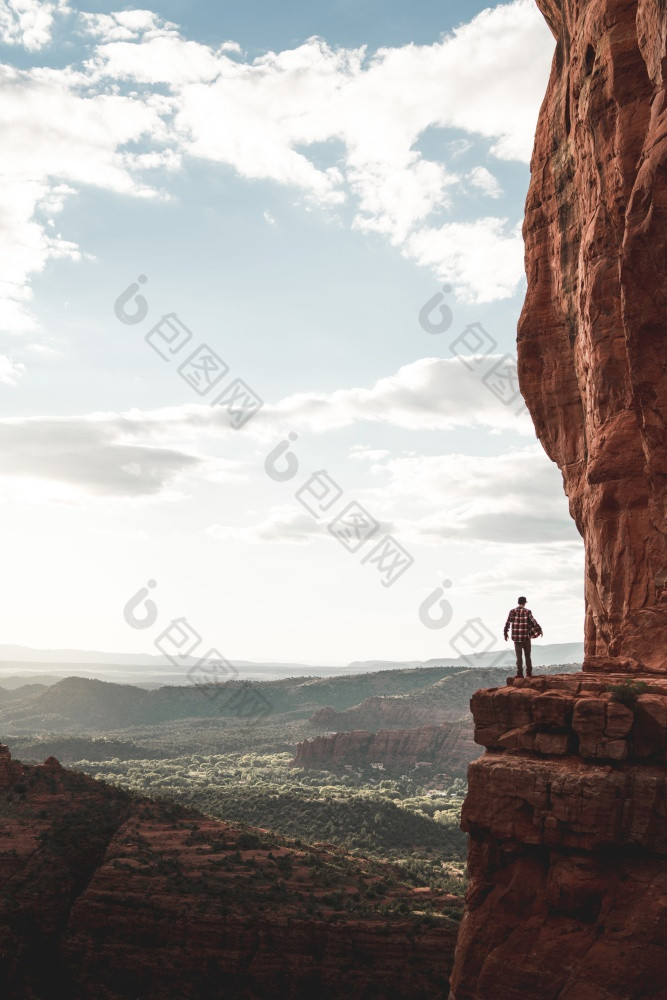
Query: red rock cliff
point(568, 844)
point(450, 748)
point(591, 345)
point(566, 809)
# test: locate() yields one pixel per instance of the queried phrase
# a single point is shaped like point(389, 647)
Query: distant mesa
point(447, 748)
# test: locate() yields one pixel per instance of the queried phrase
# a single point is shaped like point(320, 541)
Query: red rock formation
point(591, 345)
point(450, 748)
point(10, 770)
point(568, 841)
point(566, 810)
point(552, 923)
point(104, 895)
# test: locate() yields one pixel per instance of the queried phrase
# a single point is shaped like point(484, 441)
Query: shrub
point(627, 692)
point(249, 840)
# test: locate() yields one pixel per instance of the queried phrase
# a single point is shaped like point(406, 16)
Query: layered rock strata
point(450, 748)
point(592, 335)
point(575, 714)
point(567, 809)
point(567, 818)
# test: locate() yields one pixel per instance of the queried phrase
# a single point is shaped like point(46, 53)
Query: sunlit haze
point(320, 455)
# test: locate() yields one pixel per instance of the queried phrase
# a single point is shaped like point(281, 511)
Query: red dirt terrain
point(106, 896)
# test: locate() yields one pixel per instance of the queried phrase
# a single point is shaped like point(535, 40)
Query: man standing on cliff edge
point(524, 628)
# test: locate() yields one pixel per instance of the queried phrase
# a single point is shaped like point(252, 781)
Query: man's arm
point(535, 622)
point(510, 618)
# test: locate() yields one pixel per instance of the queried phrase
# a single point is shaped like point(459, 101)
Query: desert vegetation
point(409, 819)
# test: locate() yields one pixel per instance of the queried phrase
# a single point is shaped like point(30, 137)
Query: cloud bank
point(96, 450)
point(147, 99)
point(513, 499)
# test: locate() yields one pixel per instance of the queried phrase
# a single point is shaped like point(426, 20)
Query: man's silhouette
point(523, 627)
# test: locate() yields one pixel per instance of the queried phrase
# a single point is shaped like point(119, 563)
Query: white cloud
point(160, 57)
point(125, 25)
point(53, 131)
point(364, 453)
point(282, 525)
point(29, 22)
point(515, 498)
point(484, 180)
point(96, 450)
point(63, 128)
point(56, 139)
point(523, 572)
point(231, 47)
point(483, 259)
point(261, 117)
point(90, 453)
point(10, 372)
point(430, 394)
point(25, 245)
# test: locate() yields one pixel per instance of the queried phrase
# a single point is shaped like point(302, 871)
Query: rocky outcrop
point(567, 858)
point(107, 895)
point(10, 770)
point(591, 344)
point(449, 748)
point(577, 714)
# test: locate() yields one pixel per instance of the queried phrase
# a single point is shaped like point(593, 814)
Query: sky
point(261, 272)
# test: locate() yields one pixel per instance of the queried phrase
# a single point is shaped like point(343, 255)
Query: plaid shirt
point(521, 620)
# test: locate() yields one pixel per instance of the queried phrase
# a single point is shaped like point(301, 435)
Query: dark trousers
point(523, 647)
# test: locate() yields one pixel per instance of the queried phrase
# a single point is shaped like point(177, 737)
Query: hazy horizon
point(153, 672)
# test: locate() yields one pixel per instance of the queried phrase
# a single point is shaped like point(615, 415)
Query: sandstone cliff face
point(566, 814)
point(450, 748)
point(592, 336)
point(567, 809)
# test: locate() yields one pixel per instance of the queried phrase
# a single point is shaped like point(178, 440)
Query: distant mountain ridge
point(97, 705)
point(445, 699)
point(377, 700)
point(27, 654)
point(544, 655)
